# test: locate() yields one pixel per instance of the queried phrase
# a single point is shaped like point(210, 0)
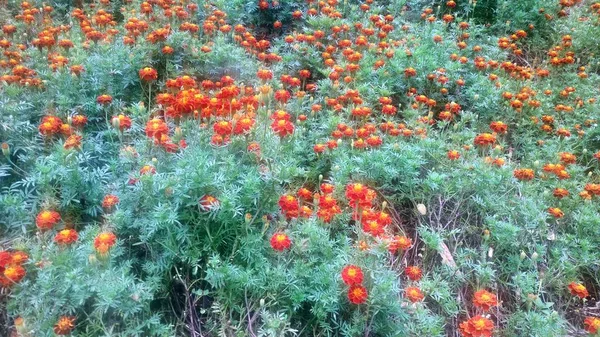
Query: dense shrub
point(287, 168)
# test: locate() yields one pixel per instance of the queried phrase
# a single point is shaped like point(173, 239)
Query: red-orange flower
point(414, 294)
point(413, 273)
point(148, 74)
point(485, 139)
point(156, 127)
point(357, 294)
point(485, 300)
point(399, 243)
point(109, 201)
point(556, 212)
point(524, 174)
point(352, 274)
point(477, 326)
point(64, 326)
point(104, 99)
point(578, 289)
point(104, 242)
point(282, 127)
point(14, 272)
point(208, 202)
point(280, 242)
point(47, 219)
point(592, 324)
point(66, 236)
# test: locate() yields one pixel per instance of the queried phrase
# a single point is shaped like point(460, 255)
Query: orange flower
point(499, 127)
point(414, 294)
point(64, 326)
point(352, 274)
point(357, 294)
point(413, 273)
point(556, 212)
point(477, 326)
point(156, 127)
point(19, 257)
point(280, 242)
point(121, 122)
point(578, 289)
point(104, 99)
point(485, 300)
point(104, 242)
point(14, 273)
point(524, 174)
point(399, 243)
point(282, 127)
point(485, 139)
point(74, 141)
point(208, 202)
point(453, 155)
point(592, 325)
point(66, 236)
point(47, 219)
point(109, 201)
point(148, 74)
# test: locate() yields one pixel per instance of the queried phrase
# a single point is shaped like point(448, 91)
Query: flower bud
point(178, 132)
point(534, 256)
point(5, 149)
point(116, 122)
point(422, 209)
point(523, 255)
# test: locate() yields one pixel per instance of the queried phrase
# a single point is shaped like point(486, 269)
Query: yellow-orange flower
point(485, 300)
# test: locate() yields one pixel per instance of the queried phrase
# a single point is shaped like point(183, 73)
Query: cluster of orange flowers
point(11, 267)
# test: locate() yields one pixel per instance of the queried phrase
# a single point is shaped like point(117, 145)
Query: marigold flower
point(399, 243)
point(109, 201)
point(414, 294)
point(148, 74)
point(104, 99)
point(104, 242)
point(352, 274)
point(208, 203)
point(74, 141)
point(280, 242)
point(485, 300)
point(121, 122)
point(556, 212)
point(578, 289)
point(282, 127)
point(14, 273)
point(19, 257)
point(592, 324)
point(66, 236)
point(453, 155)
point(485, 139)
point(64, 326)
point(524, 174)
point(156, 127)
point(477, 326)
point(357, 294)
point(560, 193)
point(413, 273)
point(47, 219)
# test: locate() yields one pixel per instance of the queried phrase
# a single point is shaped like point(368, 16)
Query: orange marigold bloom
point(399, 243)
point(64, 326)
point(485, 139)
point(352, 274)
point(560, 193)
point(109, 201)
point(414, 294)
point(499, 127)
point(592, 324)
point(47, 219)
point(453, 154)
point(578, 289)
point(282, 95)
point(156, 127)
point(104, 242)
point(208, 202)
point(357, 294)
point(74, 141)
point(567, 158)
point(66, 236)
point(485, 300)
point(477, 326)
point(524, 174)
point(556, 212)
point(14, 273)
point(19, 257)
point(148, 74)
point(413, 273)
point(282, 127)
point(122, 122)
point(280, 242)
point(104, 99)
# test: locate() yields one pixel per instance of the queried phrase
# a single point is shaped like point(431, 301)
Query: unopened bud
point(178, 132)
point(422, 209)
point(383, 205)
point(534, 256)
point(5, 149)
point(116, 122)
point(523, 255)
